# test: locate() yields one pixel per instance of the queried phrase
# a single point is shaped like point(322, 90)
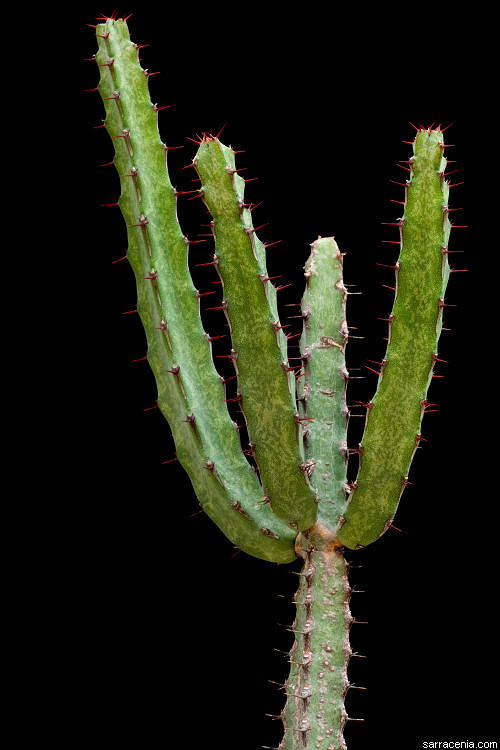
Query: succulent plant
point(267, 448)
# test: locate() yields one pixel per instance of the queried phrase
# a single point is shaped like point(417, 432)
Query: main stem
point(314, 715)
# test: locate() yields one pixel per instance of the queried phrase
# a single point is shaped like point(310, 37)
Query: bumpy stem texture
point(190, 391)
point(266, 386)
point(314, 714)
point(392, 432)
point(324, 378)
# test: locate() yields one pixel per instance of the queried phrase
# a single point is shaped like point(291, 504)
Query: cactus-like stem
point(265, 387)
point(393, 422)
point(190, 391)
point(323, 392)
point(298, 502)
point(314, 714)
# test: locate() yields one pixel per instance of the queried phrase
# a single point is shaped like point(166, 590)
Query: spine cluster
point(190, 391)
point(393, 417)
point(266, 383)
point(294, 499)
point(322, 393)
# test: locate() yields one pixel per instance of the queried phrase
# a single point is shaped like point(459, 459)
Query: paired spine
point(298, 501)
point(323, 382)
point(314, 712)
point(393, 417)
point(190, 391)
point(266, 383)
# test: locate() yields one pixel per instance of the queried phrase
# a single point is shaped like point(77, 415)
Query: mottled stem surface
point(314, 714)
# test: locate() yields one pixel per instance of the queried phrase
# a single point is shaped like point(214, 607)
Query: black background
point(160, 629)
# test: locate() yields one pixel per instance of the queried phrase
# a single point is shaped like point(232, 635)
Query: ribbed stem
point(314, 715)
point(394, 416)
point(190, 390)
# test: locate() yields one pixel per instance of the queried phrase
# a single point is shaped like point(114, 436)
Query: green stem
point(394, 416)
point(190, 390)
point(323, 398)
point(314, 715)
point(266, 387)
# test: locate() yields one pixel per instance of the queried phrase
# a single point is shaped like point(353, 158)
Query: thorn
point(197, 513)
point(213, 262)
point(108, 64)
point(214, 338)
point(265, 279)
point(251, 207)
point(368, 405)
point(220, 131)
point(249, 231)
point(184, 192)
